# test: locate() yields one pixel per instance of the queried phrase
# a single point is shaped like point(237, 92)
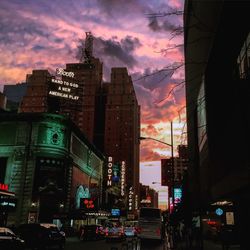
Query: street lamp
point(144, 138)
point(172, 157)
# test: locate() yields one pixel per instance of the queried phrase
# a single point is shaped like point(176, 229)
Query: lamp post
point(171, 144)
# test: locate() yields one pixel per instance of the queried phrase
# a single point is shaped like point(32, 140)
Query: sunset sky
point(45, 34)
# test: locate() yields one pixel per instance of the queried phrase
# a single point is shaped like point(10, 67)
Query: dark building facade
point(122, 127)
point(14, 94)
point(217, 63)
point(85, 111)
point(149, 196)
point(49, 165)
point(3, 101)
point(173, 177)
point(180, 165)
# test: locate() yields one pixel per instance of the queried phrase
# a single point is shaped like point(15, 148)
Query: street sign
point(219, 211)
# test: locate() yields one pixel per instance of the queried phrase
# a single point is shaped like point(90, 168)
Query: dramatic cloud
point(118, 52)
point(155, 25)
point(47, 34)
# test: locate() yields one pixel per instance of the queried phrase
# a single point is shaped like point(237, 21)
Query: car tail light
point(96, 231)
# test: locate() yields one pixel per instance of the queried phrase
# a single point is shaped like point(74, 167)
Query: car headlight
point(63, 234)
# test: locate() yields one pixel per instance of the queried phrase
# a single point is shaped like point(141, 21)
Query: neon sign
point(63, 89)
point(4, 187)
point(219, 211)
point(62, 72)
point(177, 195)
point(130, 199)
point(123, 170)
point(88, 203)
point(110, 165)
point(136, 202)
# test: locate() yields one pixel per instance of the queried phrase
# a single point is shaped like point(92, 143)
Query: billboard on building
point(66, 89)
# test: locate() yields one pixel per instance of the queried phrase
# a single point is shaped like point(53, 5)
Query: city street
point(124, 120)
point(131, 244)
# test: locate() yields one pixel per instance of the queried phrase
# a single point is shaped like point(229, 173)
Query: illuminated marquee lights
point(130, 199)
point(64, 89)
point(62, 72)
point(123, 171)
point(136, 202)
point(110, 165)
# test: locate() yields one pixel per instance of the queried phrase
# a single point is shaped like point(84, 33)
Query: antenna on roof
point(87, 51)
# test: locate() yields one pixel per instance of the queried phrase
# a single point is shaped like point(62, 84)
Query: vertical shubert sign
point(110, 166)
point(123, 171)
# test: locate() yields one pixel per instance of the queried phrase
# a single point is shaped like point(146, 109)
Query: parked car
point(9, 240)
point(68, 230)
point(114, 233)
point(91, 232)
point(41, 235)
point(130, 231)
point(130, 228)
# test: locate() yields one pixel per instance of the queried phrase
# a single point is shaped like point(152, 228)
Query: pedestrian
point(181, 230)
point(196, 229)
point(225, 237)
point(81, 232)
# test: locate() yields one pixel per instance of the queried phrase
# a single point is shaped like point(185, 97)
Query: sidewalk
point(207, 245)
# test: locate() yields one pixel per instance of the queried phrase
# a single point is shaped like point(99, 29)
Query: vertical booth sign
point(110, 170)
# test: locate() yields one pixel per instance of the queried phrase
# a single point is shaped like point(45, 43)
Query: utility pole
point(172, 164)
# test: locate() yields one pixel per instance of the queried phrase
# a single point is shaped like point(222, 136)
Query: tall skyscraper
point(84, 111)
point(122, 126)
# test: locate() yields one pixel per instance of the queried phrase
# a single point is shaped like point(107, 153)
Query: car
point(91, 232)
point(41, 235)
point(9, 240)
point(130, 228)
point(130, 231)
point(114, 233)
point(68, 230)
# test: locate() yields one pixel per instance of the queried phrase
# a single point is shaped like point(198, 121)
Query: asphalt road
point(129, 244)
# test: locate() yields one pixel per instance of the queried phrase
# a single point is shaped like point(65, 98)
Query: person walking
point(196, 230)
